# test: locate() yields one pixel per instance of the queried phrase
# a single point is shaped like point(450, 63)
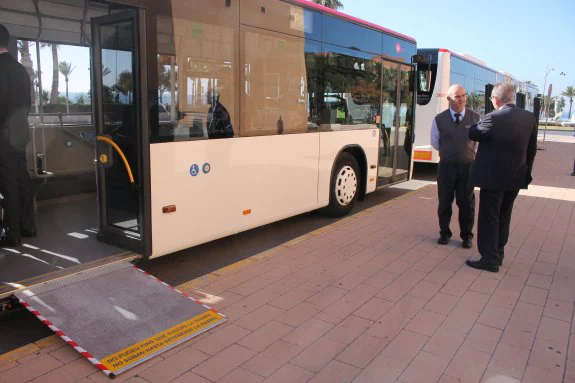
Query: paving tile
point(290, 374)
point(77, 369)
point(473, 301)
point(220, 338)
point(495, 374)
point(381, 370)
point(519, 334)
point(185, 378)
point(223, 363)
point(336, 372)
point(461, 319)
point(381, 279)
point(291, 299)
point(504, 298)
point(468, 365)
point(536, 374)
point(442, 303)
point(266, 335)
point(539, 280)
point(425, 290)
point(25, 372)
point(388, 326)
point(272, 358)
point(527, 313)
point(439, 276)
point(239, 375)
point(425, 322)
point(405, 346)
point(327, 296)
point(362, 351)
point(298, 315)
point(255, 300)
point(483, 338)
point(445, 342)
point(174, 366)
point(250, 287)
point(259, 317)
point(554, 330)
point(66, 354)
point(509, 361)
point(484, 285)
point(549, 355)
point(512, 283)
point(349, 329)
point(544, 268)
point(374, 309)
point(425, 368)
point(534, 295)
point(559, 310)
point(308, 332)
point(319, 354)
point(350, 281)
point(495, 316)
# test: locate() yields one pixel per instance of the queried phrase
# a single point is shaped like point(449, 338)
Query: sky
point(525, 38)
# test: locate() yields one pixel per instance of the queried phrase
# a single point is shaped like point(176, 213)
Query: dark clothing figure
point(219, 120)
point(456, 153)
point(15, 182)
point(507, 147)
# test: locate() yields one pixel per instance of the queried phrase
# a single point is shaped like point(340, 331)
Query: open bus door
point(118, 100)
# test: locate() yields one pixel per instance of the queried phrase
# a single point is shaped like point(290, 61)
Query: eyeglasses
point(460, 96)
point(492, 98)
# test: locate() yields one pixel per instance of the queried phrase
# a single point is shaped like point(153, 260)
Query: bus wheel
point(344, 186)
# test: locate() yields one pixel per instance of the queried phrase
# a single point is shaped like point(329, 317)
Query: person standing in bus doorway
point(450, 137)
point(15, 182)
point(507, 146)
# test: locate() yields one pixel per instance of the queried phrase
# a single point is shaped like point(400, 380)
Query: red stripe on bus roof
point(324, 9)
point(444, 50)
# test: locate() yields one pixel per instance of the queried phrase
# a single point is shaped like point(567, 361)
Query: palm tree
point(55, 75)
point(66, 69)
point(26, 60)
point(333, 4)
point(569, 93)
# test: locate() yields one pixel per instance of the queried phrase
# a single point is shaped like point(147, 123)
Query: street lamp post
point(547, 101)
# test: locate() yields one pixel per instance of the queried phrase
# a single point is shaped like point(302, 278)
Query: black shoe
point(443, 240)
point(573, 174)
point(480, 265)
point(28, 233)
point(467, 244)
point(9, 242)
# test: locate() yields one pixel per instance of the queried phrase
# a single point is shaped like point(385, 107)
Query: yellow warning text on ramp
point(160, 341)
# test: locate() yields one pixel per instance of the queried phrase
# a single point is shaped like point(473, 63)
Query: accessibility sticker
point(165, 339)
point(194, 170)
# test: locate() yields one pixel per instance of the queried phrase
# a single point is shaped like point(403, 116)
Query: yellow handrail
point(120, 152)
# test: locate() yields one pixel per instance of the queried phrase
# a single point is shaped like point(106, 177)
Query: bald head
point(457, 97)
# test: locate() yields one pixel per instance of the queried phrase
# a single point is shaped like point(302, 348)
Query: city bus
point(445, 69)
point(202, 119)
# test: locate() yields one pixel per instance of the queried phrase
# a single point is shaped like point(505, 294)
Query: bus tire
point(344, 188)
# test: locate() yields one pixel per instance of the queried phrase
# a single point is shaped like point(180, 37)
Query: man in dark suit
point(507, 146)
point(15, 183)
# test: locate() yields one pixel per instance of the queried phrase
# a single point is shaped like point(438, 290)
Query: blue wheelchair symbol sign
point(206, 168)
point(194, 170)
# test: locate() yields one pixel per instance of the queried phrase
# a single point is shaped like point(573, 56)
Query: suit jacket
point(15, 102)
point(507, 147)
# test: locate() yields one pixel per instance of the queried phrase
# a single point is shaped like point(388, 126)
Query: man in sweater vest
point(450, 136)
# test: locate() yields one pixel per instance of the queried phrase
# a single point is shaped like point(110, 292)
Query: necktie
point(457, 120)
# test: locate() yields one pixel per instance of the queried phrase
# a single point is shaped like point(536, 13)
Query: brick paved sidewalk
point(373, 298)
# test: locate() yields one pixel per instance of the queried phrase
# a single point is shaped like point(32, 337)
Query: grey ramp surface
point(109, 309)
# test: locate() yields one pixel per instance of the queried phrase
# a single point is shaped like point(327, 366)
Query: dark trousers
point(495, 209)
point(17, 189)
point(453, 180)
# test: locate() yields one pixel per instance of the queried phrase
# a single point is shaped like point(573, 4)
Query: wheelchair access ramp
point(118, 316)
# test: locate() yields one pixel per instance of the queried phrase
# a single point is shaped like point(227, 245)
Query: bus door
point(118, 116)
point(397, 120)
